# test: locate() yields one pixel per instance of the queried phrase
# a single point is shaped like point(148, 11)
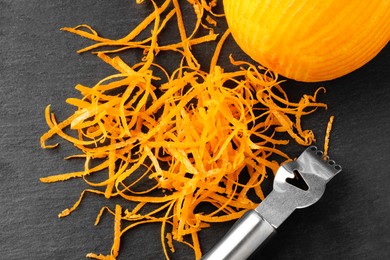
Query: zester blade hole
point(298, 181)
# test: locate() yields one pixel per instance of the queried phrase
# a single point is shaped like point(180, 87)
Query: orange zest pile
point(179, 141)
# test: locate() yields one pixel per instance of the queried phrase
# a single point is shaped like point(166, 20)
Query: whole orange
point(310, 40)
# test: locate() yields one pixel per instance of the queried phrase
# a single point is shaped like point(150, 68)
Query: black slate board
point(39, 66)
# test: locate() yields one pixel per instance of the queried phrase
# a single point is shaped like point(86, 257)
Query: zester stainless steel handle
point(246, 235)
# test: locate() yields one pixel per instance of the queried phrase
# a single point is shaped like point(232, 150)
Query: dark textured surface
point(38, 66)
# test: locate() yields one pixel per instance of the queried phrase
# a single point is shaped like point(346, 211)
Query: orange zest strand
point(117, 234)
point(185, 148)
point(327, 135)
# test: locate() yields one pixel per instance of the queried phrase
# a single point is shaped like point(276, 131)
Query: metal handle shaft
point(246, 235)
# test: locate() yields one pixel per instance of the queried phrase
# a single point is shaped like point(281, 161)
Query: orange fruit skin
point(309, 40)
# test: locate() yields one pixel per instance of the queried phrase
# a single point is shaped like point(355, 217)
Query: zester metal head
point(312, 169)
point(298, 184)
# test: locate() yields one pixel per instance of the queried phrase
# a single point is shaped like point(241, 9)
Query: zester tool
point(297, 184)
